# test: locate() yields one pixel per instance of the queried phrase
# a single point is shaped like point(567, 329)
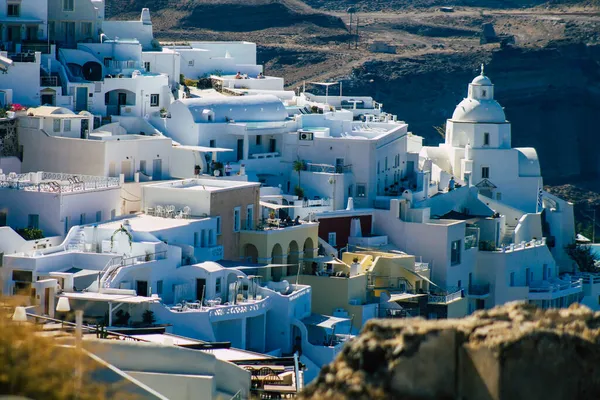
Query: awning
point(264, 266)
point(203, 149)
point(422, 277)
point(276, 206)
point(110, 298)
point(403, 296)
point(323, 321)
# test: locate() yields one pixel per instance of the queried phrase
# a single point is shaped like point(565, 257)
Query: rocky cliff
point(511, 352)
point(549, 94)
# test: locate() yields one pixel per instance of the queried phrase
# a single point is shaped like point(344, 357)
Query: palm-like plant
point(298, 166)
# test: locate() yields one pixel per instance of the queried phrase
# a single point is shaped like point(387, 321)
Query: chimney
point(146, 16)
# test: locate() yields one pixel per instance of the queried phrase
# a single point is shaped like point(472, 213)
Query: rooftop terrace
point(52, 182)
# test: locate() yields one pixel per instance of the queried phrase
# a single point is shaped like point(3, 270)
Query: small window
point(218, 286)
point(512, 279)
point(361, 190)
point(527, 277)
point(147, 66)
point(236, 219)
point(258, 140)
point(499, 196)
point(196, 239)
point(250, 217)
point(98, 216)
point(113, 213)
point(332, 238)
point(154, 98)
point(378, 166)
point(386, 164)
point(455, 252)
point(486, 139)
point(159, 287)
point(86, 29)
point(68, 5)
point(218, 218)
point(485, 172)
point(212, 143)
point(459, 284)
point(82, 219)
point(484, 93)
point(3, 218)
point(56, 125)
point(33, 221)
point(191, 63)
point(143, 166)
point(14, 10)
point(67, 125)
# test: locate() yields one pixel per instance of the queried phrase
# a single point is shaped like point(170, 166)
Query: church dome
point(482, 80)
point(479, 110)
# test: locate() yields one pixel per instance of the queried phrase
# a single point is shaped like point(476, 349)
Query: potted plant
point(272, 215)
point(148, 318)
point(218, 168)
point(163, 112)
point(298, 191)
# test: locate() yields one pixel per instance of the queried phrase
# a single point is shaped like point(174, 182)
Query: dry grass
point(38, 367)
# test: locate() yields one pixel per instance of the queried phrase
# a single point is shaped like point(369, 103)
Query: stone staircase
point(509, 235)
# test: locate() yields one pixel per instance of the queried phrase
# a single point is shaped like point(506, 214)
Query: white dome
point(473, 110)
point(482, 80)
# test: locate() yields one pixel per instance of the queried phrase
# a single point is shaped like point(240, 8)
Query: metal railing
point(49, 81)
point(57, 182)
point(555, 285)
point(100, 332)
point(328, 168)
point(444, 298)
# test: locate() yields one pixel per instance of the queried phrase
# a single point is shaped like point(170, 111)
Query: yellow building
point(372, 284)
point(288, 245)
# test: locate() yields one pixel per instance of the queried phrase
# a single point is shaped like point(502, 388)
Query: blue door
point(81, 99)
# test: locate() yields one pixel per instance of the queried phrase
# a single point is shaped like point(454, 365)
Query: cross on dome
point(482, 74)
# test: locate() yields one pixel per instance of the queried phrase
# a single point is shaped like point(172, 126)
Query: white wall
point(24, 80)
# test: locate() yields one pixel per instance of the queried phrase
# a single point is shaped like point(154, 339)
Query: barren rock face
point(516, 351)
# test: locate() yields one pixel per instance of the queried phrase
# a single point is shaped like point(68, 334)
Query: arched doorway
point(250, 253)
point(292, 258)
point(309, 254)
point(276, 258)
point(115, 99)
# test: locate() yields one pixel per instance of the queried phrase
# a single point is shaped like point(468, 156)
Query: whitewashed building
point(54, 202)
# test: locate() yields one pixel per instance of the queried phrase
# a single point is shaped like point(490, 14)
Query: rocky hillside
point(222, 15)
point(511, 352)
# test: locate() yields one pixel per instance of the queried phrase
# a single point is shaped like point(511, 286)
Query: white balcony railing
point(56, 182)
point(444, 299)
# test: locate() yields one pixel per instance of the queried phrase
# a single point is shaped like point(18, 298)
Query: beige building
point(234, 204)
point(293, 245)
point(371, 284)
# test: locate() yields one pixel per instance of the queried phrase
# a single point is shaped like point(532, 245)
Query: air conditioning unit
point(305, 136)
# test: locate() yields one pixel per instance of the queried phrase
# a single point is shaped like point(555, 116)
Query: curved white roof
point(482, 80)
point(259, 108)
point(529, 164)
point(438, 156)
point(473, 110)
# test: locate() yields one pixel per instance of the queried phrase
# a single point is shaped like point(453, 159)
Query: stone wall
point(516, 351)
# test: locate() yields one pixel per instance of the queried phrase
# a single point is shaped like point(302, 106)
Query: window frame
point(66, 4)
point(455, 249)
point(218, 220)
point(154, 100)
point(237, 219)
point(250, 217)
point(16, 6)
point(485, 175)
point(218, 285)
point(361, 187)
point(486, 138)
point(56, 125)
point(67, 122)
point(33, 221)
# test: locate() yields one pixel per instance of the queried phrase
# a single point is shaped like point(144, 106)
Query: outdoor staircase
point(110, 271)
point(509, 235)
point(76, 240)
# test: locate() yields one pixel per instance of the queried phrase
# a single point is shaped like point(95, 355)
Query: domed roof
point(482, 80)
point(474, 110)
